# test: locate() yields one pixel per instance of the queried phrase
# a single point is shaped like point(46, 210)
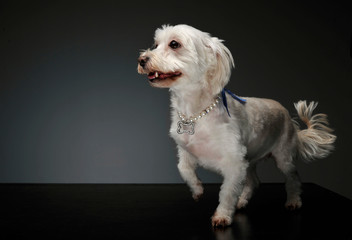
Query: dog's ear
point(220, 68)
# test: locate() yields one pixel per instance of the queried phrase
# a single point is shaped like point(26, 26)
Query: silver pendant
point(185, 127)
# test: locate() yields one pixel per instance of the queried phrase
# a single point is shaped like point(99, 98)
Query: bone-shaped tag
point(185, 127)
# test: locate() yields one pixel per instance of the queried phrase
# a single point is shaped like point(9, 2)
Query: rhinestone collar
point(186, 124)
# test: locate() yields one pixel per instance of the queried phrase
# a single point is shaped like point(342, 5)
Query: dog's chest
point(200, 144)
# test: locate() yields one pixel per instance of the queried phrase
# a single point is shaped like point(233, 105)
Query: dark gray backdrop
point(74, 110)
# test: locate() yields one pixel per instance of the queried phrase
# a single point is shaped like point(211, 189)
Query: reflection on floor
point(166, 211)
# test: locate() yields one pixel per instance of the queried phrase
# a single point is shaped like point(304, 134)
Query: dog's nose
point(143, 61)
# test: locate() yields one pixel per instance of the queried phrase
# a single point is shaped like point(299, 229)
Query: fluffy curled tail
point(317, 140)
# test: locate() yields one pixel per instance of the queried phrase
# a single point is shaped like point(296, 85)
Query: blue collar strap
point(224, 101)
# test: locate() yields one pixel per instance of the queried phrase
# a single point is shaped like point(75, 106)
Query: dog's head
point(184, 57)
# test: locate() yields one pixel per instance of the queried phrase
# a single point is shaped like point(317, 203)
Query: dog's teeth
point(156, 74)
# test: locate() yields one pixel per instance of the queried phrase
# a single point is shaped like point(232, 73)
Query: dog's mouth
point(155, 76)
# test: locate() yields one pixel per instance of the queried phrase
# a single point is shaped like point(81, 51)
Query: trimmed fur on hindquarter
point(196, 67)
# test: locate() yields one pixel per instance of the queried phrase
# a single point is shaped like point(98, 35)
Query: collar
point(224, 100)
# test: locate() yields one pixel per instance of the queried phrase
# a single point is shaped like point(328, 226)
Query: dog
point(220, 131)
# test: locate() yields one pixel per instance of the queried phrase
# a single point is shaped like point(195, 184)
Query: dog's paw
point(197, 197)
point(293, 204)
point(197, 193)
point(219, 221)
point(242, 203)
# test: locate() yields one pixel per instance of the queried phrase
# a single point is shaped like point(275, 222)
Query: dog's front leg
point(187, 166)
point(234, 173)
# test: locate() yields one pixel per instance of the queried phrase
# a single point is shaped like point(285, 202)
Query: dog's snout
point(143, 61)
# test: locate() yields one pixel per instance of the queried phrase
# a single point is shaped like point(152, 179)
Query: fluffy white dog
point(217, 130)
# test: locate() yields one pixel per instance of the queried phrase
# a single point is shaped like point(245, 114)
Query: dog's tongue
point(154, 75)
point(160, 75)
point(165, 75)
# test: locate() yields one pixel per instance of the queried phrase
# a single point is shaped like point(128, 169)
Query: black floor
point(109, 211)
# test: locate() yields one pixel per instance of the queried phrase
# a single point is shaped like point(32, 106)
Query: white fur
point(231, 146)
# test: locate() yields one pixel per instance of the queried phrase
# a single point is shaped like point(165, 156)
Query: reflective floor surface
point(167, 211)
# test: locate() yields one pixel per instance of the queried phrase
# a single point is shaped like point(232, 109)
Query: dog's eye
point(173, 44)
point(154, 46)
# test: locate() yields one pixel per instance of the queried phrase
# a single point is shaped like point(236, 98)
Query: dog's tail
point(317, 140)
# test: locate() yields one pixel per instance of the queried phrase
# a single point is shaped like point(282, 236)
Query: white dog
point(217, 130)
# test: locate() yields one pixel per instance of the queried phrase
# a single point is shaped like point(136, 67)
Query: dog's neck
point(191, 102)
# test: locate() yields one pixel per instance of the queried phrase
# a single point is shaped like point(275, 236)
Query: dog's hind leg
point(251, 183)
point(284, 161)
